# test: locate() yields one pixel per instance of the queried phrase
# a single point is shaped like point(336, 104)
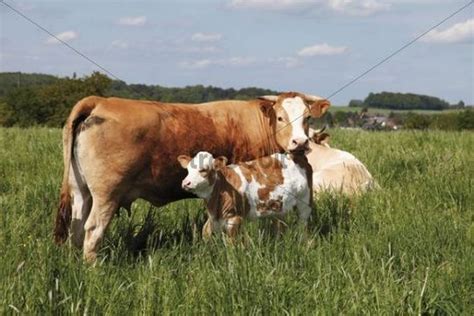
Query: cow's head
point(289, 115)
point(201, 172)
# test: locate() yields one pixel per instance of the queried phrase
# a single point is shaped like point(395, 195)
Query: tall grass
point(405, 249)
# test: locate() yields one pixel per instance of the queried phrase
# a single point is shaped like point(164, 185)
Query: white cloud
point(272, 4)
point(358, 7)
point(199, 49)
point(288, 62)
point(459, 32)
point(119, 44)
point(64, 36)
point(349, 7)
point(197, 64)
point(224, 62)
point(133, 20)
point(321, 50)
point(206, 37)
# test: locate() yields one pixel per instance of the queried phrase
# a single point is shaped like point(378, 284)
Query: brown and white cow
point(118, 150)
point(336, 170)
point(265, 187)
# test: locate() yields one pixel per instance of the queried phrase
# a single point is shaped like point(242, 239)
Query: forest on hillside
point(38, 99)
point(403, 101)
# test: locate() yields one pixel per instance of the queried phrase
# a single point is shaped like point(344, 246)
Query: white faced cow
point(118, 150)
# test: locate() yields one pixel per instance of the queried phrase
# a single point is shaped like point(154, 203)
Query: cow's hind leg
point(81, 204)
point(96, 224)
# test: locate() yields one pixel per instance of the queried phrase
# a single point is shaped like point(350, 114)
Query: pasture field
point(404, 249)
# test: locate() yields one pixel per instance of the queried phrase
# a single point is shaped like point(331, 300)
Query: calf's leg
point(207, 230)
point(304, 212)
point(232, 226)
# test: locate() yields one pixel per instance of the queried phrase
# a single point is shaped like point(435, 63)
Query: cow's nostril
point(306, 142)
point(294, 142)
point(186, 184)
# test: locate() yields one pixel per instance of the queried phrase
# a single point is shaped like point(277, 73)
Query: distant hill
point(401, 101)
point(12, 80)
point(37, 99)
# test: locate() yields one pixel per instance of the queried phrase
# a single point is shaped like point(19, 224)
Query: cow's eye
point(280, 119)
point(202, 170)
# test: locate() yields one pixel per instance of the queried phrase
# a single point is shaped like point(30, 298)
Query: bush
point(417, 121)
point(447, 121)
point(465, 119)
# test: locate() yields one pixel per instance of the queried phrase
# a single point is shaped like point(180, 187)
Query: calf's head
point(289, 115)
point(202, 174)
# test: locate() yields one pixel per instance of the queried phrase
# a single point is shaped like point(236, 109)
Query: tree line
point(45, 100)
point(38, 99)
point(403, 101)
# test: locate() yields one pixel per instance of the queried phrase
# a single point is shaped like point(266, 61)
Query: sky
point(310, 46)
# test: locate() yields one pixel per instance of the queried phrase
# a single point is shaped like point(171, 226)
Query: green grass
point(405, 249)
point(333, 109)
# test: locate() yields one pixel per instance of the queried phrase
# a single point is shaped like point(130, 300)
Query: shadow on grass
point(331, 215)
point(152, 233)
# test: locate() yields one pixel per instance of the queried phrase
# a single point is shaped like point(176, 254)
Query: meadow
point(404, 249)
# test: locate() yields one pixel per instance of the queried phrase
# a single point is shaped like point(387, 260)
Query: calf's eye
point(280, 119)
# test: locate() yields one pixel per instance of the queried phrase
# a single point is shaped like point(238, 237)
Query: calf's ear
point(318, 107)
point(219, 163)
point(184, 160)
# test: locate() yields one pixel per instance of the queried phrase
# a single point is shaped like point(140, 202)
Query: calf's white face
point(200, 173)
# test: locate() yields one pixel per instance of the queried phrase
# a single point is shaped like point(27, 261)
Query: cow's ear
point(318, 107)
point(219, 163)
point(184, 160)
point(321, 139)
point(266, 103)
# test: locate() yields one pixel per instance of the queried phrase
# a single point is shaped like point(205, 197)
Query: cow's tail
point(63, 217)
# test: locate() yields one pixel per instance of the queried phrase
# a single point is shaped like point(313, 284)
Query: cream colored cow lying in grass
point(336, 170)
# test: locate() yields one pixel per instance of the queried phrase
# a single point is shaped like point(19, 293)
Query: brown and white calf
point(265, 187)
